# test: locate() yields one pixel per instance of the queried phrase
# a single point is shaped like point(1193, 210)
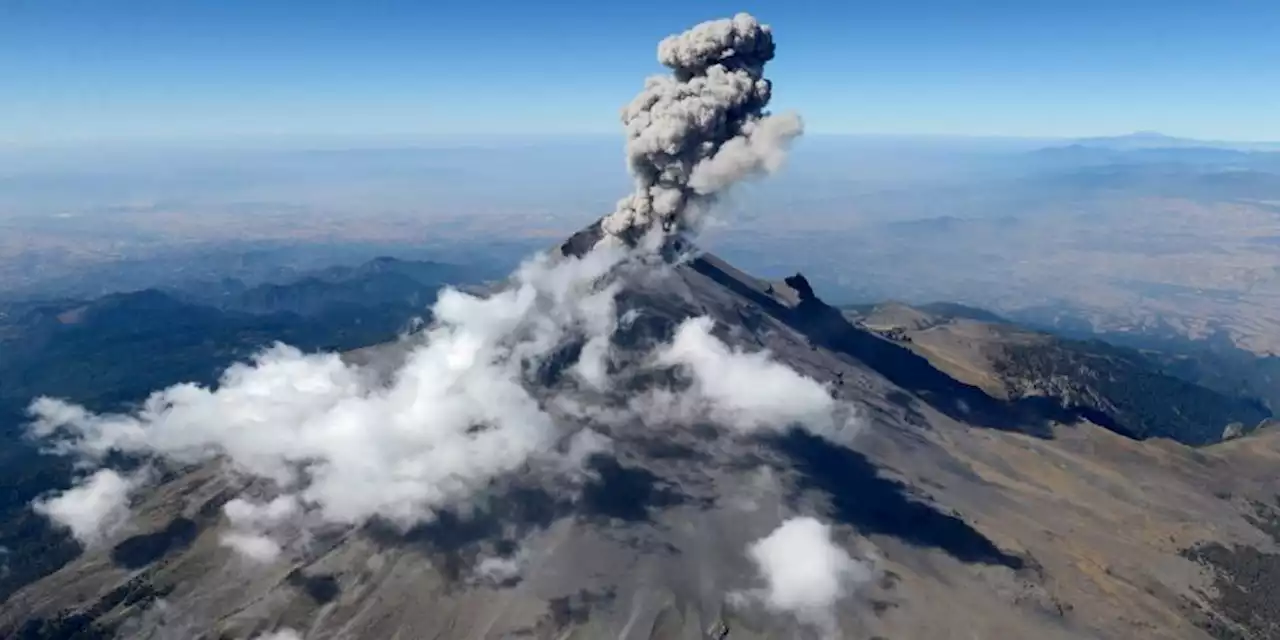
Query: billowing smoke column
point(704, 127)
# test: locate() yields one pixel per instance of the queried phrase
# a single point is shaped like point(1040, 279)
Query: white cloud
point(499, 569)
point(282, 634)
point(583, 445)
point(348, 447)
point(254, 546)
point(805, 572)
point(253, 523)
point(592, 365)
point(93, 508)
point(746, 391)
point(600, 315)
point(241, 512)
point(163, 621)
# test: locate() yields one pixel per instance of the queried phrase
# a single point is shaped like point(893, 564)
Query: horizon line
point(254, 141)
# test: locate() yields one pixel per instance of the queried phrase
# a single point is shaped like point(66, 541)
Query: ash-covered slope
point(966, 518)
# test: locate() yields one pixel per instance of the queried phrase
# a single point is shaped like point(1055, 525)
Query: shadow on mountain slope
point(861, 498)
point(141, 550)
point(624, 493)
point(457, 539)
point(322, 588)
point(614, 492)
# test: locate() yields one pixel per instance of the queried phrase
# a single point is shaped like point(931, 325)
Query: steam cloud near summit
point(693, 133)
point(343, 445)
point(348, 446)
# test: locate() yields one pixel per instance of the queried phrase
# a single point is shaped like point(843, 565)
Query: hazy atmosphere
point(1123, 231)
point(356, 131)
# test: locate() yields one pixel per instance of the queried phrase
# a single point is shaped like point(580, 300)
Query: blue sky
point(75, 71)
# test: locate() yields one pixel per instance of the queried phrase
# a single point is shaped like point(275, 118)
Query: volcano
point(968, 515)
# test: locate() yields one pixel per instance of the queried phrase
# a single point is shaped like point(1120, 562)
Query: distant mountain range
point(116, 348)
point(1158, 158)
point(1160, 151)
point(377, 282)
point(1156, 140)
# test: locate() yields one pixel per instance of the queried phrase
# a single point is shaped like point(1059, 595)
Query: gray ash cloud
point(695, 132)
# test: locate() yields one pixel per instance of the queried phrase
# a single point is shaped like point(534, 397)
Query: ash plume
point(692, 134)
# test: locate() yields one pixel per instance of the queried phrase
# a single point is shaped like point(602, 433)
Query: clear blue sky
point(176, 69)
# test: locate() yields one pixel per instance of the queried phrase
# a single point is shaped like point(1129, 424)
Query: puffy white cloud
point(805, 572)
point(93, 508)
point(746, 391)
point(346, 445)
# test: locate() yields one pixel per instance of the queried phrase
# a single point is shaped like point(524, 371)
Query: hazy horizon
point(352, 142)
point(1127, 229)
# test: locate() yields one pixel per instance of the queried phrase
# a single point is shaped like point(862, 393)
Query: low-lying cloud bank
point(342, 445)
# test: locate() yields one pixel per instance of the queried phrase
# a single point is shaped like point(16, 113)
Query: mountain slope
point(987, 516)
point(1122, 389)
